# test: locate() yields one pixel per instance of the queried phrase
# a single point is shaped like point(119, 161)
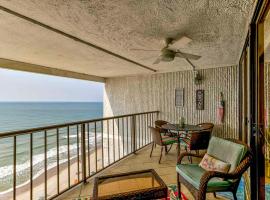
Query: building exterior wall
point(157, 92)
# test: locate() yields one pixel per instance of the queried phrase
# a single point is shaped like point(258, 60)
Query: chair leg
point(152, 149)
point(166, 149)
point(215, 195)
point(178, 187)
point(201, 196)
point(234, 195)
point(189, 157)
point(160, 154)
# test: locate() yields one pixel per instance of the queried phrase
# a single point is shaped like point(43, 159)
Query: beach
point(23, 191)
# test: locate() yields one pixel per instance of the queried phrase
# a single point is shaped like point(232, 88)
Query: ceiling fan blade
point(144, 50)
point(157, 61)
point(187, 55)
point(181, 42)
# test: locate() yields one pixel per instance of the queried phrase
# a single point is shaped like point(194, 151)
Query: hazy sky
point(24, 86)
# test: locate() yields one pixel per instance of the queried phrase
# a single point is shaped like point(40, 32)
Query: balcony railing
point(48, 161)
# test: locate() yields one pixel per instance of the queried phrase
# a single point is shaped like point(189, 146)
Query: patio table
point(145, 184)
point(177, 128)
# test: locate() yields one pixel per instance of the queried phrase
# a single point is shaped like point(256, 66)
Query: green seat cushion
point(193, 173)
point(169, 140)
point(226, 151)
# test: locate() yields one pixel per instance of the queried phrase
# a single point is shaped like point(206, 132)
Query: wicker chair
point(206, 126)
point(161, 141)
point(159, 123)
point(164, 132)
point(200, 182)
point(198, 140)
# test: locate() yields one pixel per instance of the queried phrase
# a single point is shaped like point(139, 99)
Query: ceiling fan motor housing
point(168, 41)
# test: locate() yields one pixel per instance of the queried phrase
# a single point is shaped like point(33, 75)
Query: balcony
point(61, 157)
point(71, 155)
point(200, 60)
point(140, 161)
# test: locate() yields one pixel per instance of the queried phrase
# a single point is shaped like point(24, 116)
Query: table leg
point(178, 147)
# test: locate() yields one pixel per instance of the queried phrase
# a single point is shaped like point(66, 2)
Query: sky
point(25, 86)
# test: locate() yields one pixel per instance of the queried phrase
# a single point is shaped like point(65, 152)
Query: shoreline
point(38, 180)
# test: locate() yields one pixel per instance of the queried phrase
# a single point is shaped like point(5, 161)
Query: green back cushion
point(226, 151)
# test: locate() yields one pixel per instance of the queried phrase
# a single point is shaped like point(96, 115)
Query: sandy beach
point(23, 191)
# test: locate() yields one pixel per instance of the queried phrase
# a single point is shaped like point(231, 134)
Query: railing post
point(133, 131)
point(83, 152)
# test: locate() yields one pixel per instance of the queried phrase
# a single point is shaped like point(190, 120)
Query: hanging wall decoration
point(200, 99)
point(220, 111)
point(179, 97)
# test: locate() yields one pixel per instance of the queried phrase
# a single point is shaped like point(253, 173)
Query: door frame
point(256, 102)
point(256, 99)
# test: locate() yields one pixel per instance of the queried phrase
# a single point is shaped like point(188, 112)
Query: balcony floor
point(140, 161)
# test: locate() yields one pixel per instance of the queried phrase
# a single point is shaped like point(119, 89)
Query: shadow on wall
point(107, 108)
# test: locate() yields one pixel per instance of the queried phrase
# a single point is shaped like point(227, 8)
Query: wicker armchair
point(212, 181)
point(161, 141)
point(158, 124)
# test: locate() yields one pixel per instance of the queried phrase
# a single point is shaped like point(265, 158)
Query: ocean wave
point(40, 172)
point(23, 146)
point(39, 159)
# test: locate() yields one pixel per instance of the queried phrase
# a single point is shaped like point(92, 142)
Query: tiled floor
point(139, 161)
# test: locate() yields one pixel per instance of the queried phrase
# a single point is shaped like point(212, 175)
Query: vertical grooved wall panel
point(156, 92)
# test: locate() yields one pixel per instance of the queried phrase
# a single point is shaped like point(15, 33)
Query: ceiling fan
point(171, 50)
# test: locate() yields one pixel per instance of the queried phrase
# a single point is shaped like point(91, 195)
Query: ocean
point(25, 115)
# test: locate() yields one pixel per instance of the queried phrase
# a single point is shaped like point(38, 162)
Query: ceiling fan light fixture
point(167, 59)
point(167, 55)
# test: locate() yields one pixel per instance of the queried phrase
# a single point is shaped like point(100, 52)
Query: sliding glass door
point(245, 126)
point(263, 102)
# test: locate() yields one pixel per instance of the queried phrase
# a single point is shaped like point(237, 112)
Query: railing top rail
point(44, 128)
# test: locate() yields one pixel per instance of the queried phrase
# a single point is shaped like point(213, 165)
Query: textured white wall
point(156, 92)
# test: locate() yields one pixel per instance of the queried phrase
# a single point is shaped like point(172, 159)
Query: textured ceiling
point(217, 28)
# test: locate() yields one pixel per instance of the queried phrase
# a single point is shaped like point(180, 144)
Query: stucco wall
point(156, 92)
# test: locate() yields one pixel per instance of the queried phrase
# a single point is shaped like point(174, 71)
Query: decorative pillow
point(210, 163)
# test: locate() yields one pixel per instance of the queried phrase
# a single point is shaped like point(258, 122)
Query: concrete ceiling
point(217, 28)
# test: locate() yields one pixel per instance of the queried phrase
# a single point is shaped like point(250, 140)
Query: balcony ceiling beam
point(23, 66)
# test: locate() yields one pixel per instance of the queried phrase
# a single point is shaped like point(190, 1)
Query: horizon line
point(51, 101)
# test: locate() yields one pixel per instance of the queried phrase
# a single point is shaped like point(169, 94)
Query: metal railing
point(62, 156)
